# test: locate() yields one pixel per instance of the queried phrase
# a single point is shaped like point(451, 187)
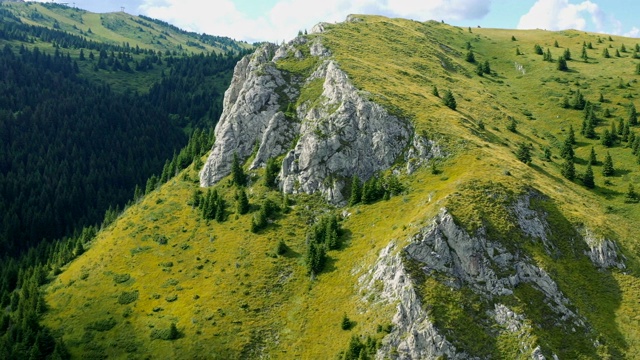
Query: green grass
point(234, 298)
point(115, 28)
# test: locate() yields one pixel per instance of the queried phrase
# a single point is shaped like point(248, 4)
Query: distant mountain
point(85, 116)
point(120, 28)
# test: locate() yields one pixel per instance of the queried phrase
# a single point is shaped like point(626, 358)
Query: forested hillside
point(90, 120)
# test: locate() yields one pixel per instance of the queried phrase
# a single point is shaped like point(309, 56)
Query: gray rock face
point(603, 252)
point(413, 336)
point(476, 262)
point(342, 136)
point(328, 140)
point(250, 105)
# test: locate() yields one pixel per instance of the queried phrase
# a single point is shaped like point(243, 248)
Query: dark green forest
point(74, 150)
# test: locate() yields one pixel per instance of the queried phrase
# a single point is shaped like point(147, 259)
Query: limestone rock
point(603, 252)
point(326, 140)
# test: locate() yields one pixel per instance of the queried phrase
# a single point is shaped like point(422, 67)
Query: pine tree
point(631, 196)
point(434, 91)
point(470, 57)
point(449, 100)
point(512, 125)
point(592, 157)
point(173, 332)
point(587, 178)
point(271, 172)
point(607, 138)
point(356, 191)
point(237, 173)
point(568, 169)
point(243, 202)
point(486, 67)
point(547, 56)
point(562, 64)
point(605, 53)
point(537, 49)
point(479, 70)
point(567, 54)
point(346, 323)
point(633, 116)
point(607, 166)
point(567, 150)
point(584, 55)
point(220, 210)
point(524, 153)
point(547, 154)
point(571, 138)
point(617, 53)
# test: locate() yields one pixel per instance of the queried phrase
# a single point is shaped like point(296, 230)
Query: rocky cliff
point(446, 252)
point(325, 130)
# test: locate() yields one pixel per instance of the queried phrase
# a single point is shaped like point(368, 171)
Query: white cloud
point(634, 32)
point(286, 17)
point(560, 15)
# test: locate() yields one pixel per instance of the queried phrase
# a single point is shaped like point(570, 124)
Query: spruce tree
point(567, 54)
point(512, 125)
point(537, 49)
point(434, 91)
point(567, 150)
point(237, 173)
point(633, 116)
point(587, 178)
point(562, 64)
point(449, 100)
point(584, 55)
point(271, 172)
point(486, 68)
point(605, 53)
point(220, 210)
point(243, 202)
point(631, 196)
point(524, 153)
point(568, 169)
point(356, 191)
point(571, 137)
point(470, 57)
point(592, 157)
point(607, 166)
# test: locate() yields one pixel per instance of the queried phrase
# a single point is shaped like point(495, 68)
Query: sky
point(280, 20)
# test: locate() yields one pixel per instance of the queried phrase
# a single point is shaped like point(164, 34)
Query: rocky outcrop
point(446, 251)
point(251, 104)
point(603, 253)
point(332, 135)
point(414, 335)
point(341, 135)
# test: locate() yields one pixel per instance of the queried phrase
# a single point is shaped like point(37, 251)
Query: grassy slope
point(112, 28)
point(246, 295)
point(116, 28)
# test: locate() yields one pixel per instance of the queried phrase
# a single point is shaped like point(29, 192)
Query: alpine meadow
point(378, 188)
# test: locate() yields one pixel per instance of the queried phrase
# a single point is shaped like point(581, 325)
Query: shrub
point(120, 278)
point(128, 297)
point(102, 325)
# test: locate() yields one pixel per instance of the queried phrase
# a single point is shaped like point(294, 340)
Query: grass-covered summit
point(500, 247)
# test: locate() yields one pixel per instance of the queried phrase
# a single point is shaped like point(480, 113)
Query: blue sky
point(278, 20)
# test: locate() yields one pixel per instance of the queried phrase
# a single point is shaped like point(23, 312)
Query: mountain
point(86, 116)
point(415, 190)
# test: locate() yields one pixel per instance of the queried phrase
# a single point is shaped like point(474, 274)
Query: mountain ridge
point(480, 254)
